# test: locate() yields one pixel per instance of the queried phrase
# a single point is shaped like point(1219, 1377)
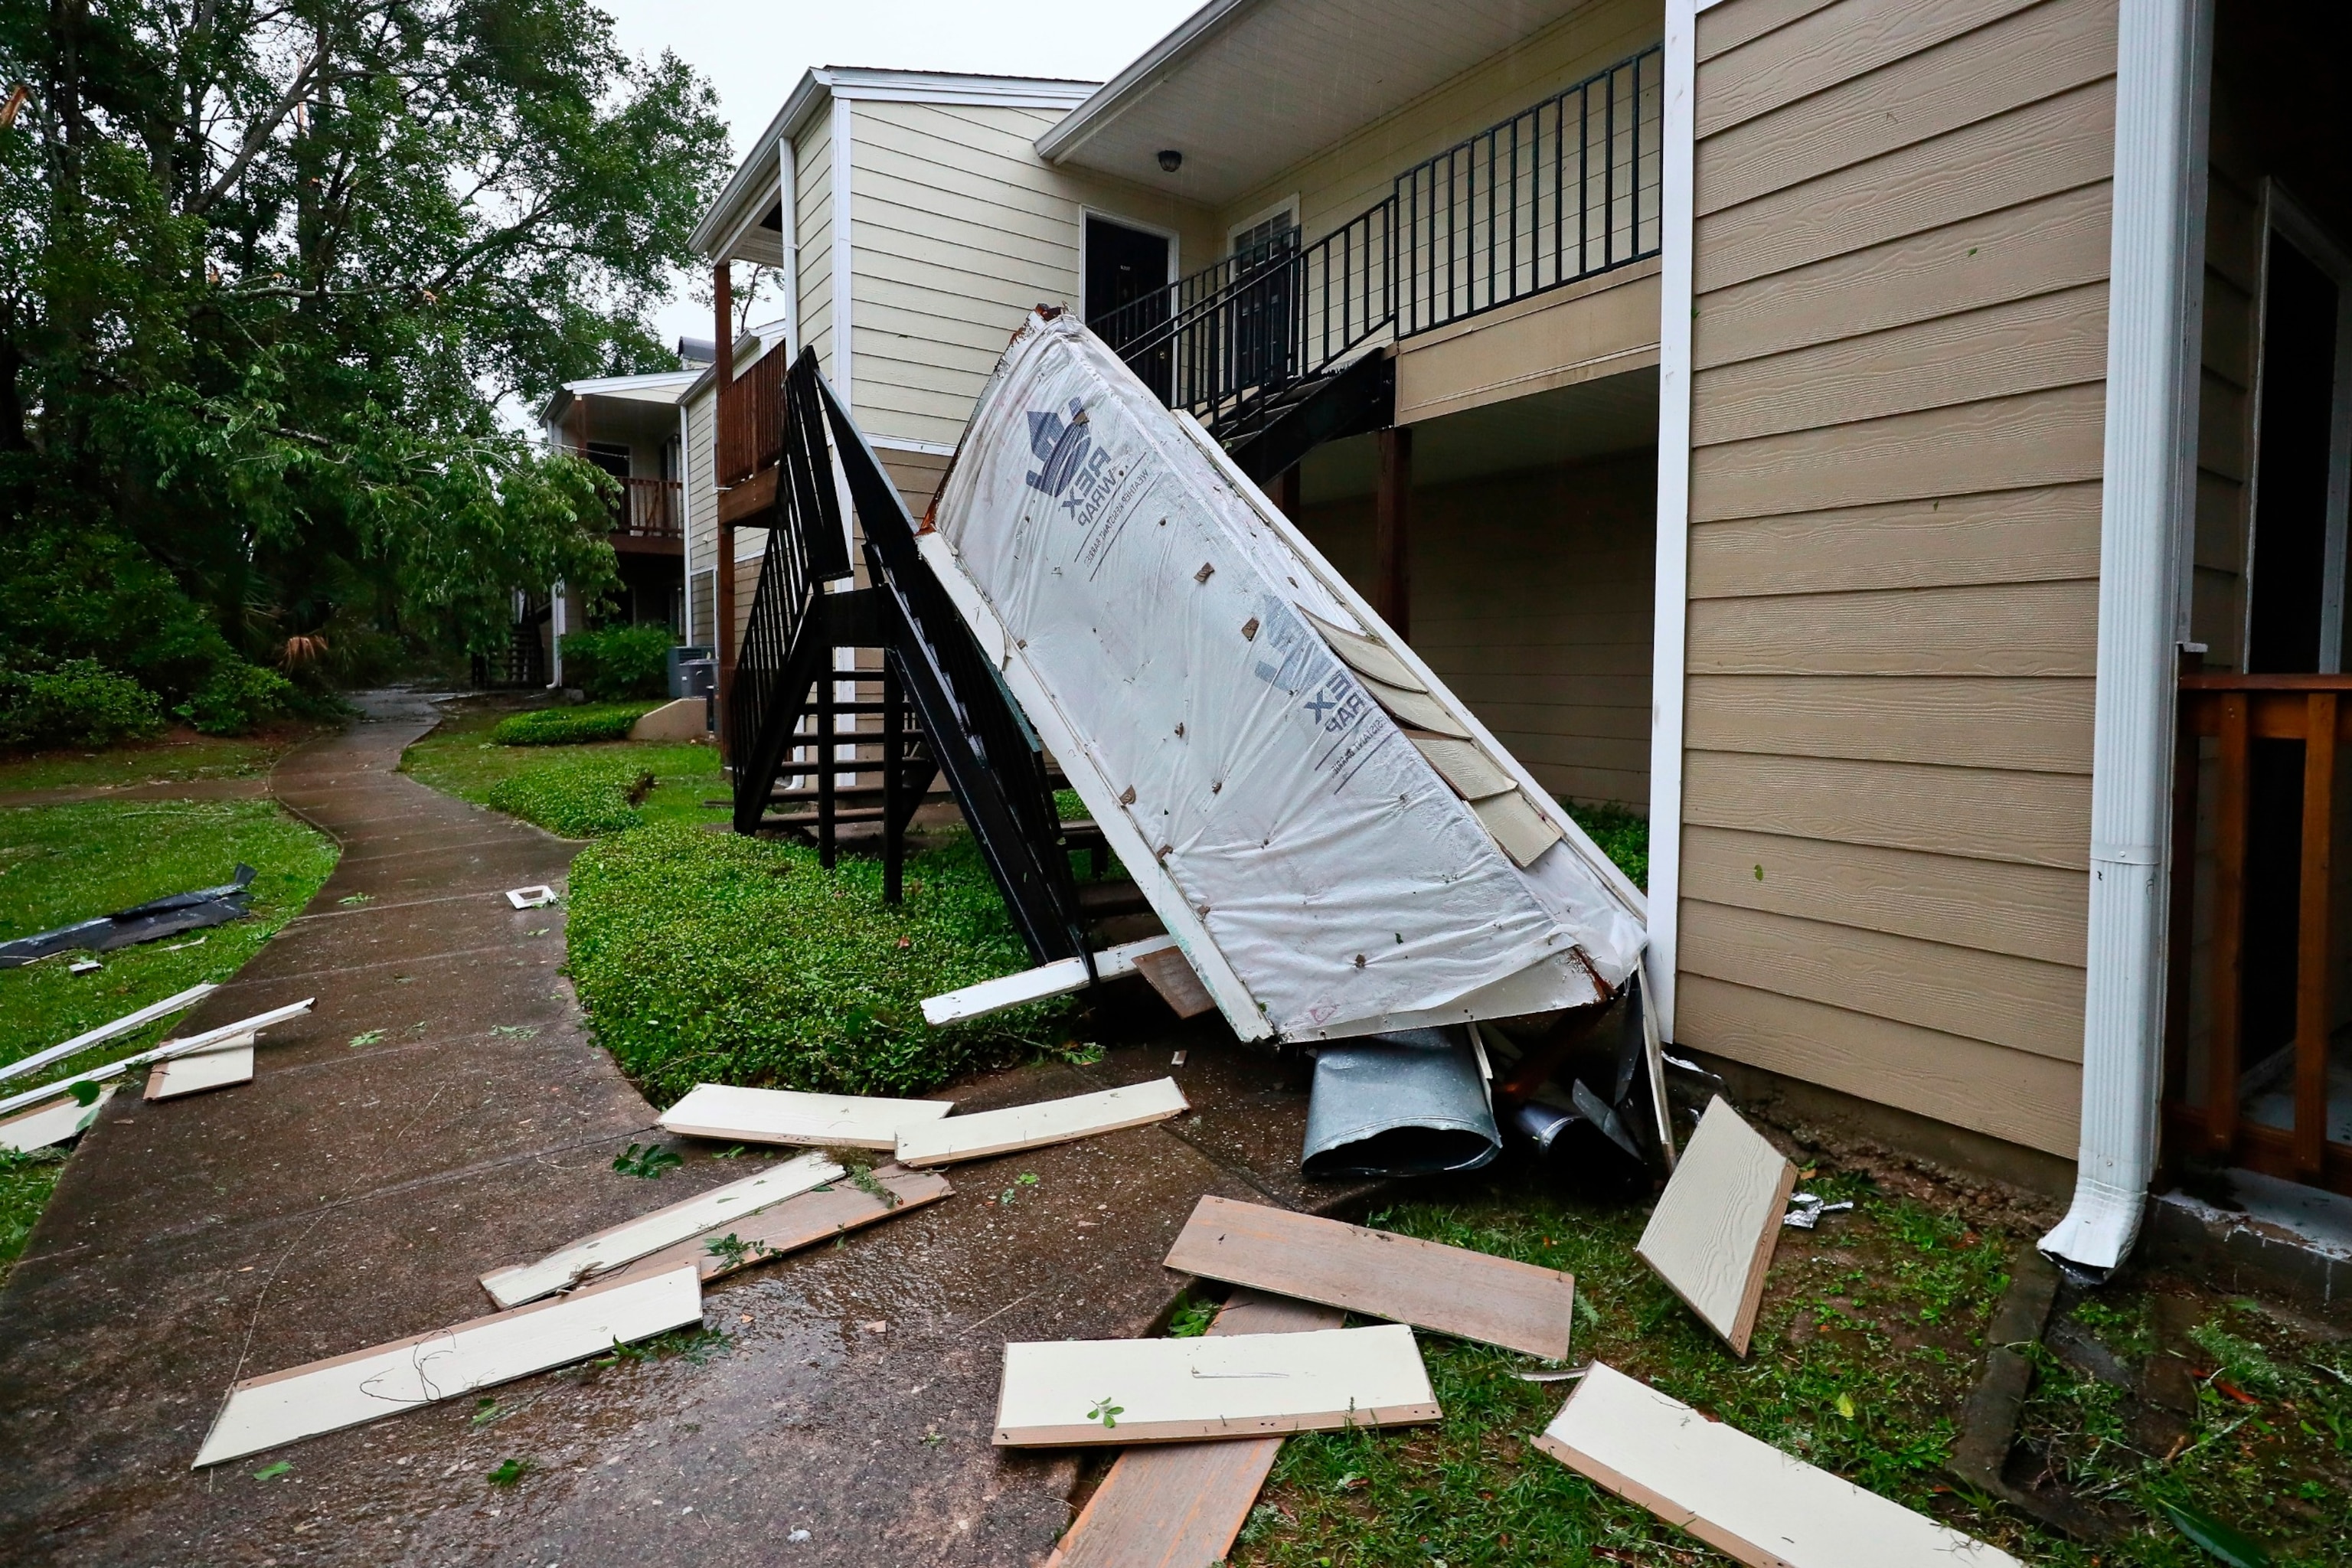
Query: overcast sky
point(753, 51)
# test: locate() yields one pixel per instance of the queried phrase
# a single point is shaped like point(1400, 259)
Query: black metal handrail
point(1566, 189)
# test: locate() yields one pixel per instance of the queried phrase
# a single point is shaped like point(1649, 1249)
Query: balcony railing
point(1564, 190)
point(2249, 1020)
point(649, 509)
point(751, 418)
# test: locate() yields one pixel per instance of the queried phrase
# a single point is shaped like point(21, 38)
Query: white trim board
point(1742, 1497)
point(1711, 1236)
point(1034, 1126)
point(1671, 611)
point(367, 1385)
point(627, 1242)
point(163, 1052)
point(47, 1124)
point(1236, 1385)
point(199, 1070)
point(105, 1032)
point(792, 1116)
point(1059, 978)
point(843, 326)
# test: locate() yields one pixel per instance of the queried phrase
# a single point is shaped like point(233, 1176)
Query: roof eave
point(1138, 81)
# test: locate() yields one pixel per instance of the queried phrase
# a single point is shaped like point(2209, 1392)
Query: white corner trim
point(1672, 615)
point(844, 350)
point(2148, 481)
point(908, 444)
point(788, 197)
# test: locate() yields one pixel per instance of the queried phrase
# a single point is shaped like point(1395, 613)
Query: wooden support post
point(1285, 492)
point(723, 304)
point(2228, 931)
point(2180, 933)
point(1392, 532)
point(2312, 934)
point(828, 765)
point(893, 782)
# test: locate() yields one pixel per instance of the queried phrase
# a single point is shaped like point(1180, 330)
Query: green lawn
point(65, 863)
point(179, 755)
point(579, 792)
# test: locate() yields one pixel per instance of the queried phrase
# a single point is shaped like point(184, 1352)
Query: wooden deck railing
point(2235, 712)
point(751, 418)
point(649, 509)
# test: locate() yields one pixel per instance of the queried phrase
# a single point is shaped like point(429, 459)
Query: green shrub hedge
point(618, 662)
point(571, 726)
point(79, 702)
point(577, 797)
point(711, 958)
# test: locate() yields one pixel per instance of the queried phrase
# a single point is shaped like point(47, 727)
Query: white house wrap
point(1261, 750)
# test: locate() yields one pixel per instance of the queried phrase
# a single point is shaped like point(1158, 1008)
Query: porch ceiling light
point(1170, 160)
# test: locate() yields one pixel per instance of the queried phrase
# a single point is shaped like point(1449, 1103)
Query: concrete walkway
point(354, 1191)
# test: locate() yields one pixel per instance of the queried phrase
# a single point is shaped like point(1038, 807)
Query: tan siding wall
point(959, 228)
point(1531, 598)
point(1897, 402)
point(702, 502)
point(1343, 181)
point(813, 181)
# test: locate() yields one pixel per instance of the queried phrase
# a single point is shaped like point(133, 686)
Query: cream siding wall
point(1341, 181)
point(958, 229)
point(1531, 598)
point(813, 185)
point(1900, 339)
point(702, 512)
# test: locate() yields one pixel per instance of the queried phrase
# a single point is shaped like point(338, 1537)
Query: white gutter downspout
point(2155, 267)
point(788, 200)
point(1671, 617)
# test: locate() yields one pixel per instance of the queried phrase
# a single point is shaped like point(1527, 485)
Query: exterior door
point(1127, 296)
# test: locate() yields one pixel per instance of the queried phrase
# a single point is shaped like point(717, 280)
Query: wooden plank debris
point(1180, 1505)
point(1057, 1393)
point(535, 898)
point(1742, 1497)
point(125, 1025)
point(226, 1064)
point(1017, 1127)
point(46, 1125)
point(366, 1386)
point(1461, 763)
point(626, 1243)
point(164, 1052)
point(1379, 1274)
point(1058, 978)
point(1417, 709)
point(1711, 1236)
point(1367, 655)
point(792, 1116)
point(1523, 832)
point(818, 1215)
point(1172, 974)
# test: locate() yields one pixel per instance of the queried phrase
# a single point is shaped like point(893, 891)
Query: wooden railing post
point(2228, 929)
point(2313, 932)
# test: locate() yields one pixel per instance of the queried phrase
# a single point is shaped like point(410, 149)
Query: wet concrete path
point(442, 1111)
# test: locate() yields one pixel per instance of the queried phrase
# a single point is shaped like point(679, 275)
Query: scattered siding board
point(1742, 1495)
point(2026, 912)
point(201, 1070)
point(2036, 150)
point(1711, 1236)
point(985, 1132)
point(2045, 629)
point(793, 1116)
point(2055, 242)
point(2010, 1095)
point(1379, 1274)
point(1833, 47)
point(2050, 340)
point(2035, 726)
point(46, 1125)
point(350, 1390)
point(798, 1222)
point(2043, 534)
point(2020, 58)
point(2021, 1004)
point(1180, 1505)
point(1238, 1385)
point(2032, 819)
point(2037, 438)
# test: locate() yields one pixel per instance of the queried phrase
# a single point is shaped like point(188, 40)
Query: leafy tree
point(268, 270)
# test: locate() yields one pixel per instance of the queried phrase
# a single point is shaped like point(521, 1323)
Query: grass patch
point(64, 863)
point(180, 755)
point(1623, 836)
point(1870, 1337)
point(579, 792)
point(709, 958)
point(571, 726)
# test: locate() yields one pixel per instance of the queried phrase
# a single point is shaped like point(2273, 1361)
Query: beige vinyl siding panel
point(2012, 1095)
point(2043, 534)
point(1897, 420)
point(701, 490)
point(813, 211)
point(1341, 181)
point(1532, 599)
